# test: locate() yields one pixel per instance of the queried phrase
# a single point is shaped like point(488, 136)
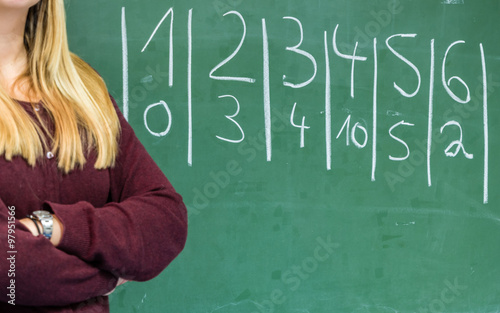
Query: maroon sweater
point(126, 221)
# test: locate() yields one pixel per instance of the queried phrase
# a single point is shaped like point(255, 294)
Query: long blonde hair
point(74, 95)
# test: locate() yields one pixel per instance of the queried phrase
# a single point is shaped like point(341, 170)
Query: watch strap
point(35, 221)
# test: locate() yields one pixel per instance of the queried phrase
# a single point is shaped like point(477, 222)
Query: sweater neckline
point(27, 102)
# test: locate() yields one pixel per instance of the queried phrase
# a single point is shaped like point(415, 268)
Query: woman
point(100, 211)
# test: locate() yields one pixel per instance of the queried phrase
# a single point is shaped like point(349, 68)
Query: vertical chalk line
point(125, 65)
point(431, 112)
point(189, 90)
point(485, 125)
point(171, 52)
point(328, 108)
point(267, 91)
point(375, 86)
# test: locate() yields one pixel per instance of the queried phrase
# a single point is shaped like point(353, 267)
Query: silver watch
point(47, 222)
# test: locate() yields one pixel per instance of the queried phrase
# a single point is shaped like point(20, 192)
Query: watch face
point(41, 213)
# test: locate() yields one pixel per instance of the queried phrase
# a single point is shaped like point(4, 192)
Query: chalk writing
point(355, 129)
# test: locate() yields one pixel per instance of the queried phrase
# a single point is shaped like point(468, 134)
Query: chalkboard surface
point(334, 155)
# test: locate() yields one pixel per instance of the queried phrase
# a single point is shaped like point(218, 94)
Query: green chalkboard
point(334, 155)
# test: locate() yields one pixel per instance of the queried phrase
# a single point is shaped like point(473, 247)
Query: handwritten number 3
point(230, 117)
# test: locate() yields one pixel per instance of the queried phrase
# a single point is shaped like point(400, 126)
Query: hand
point(30, 225)
point(57, 230)
point(121, 281)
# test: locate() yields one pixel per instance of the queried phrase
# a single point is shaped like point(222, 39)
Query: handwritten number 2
point(229, 58)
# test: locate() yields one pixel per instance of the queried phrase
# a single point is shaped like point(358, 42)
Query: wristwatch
point(46, 220)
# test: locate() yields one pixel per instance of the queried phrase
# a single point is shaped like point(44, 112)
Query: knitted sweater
point(126, 221)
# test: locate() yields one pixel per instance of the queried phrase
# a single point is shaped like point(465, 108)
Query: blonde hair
point(74, 95)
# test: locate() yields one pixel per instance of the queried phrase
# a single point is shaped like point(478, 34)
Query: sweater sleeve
point(41, 274)
point(143, 228)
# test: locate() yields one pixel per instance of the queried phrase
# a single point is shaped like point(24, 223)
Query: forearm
point(35, 227)
point(45, 275)
point(142, 234)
